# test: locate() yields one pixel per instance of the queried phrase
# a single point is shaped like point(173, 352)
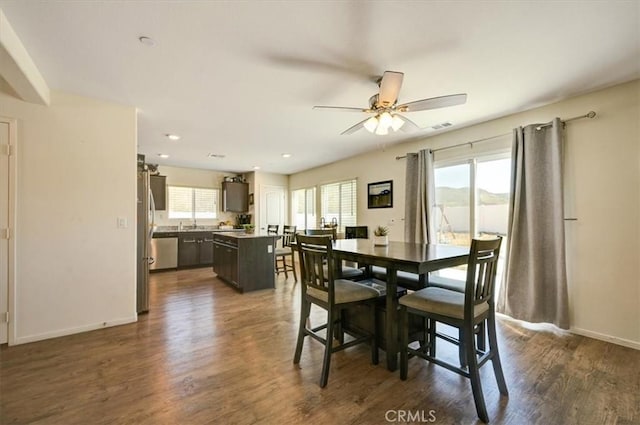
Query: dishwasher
point(164, 250)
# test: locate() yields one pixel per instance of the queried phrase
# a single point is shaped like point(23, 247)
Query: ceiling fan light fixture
point(386, 120)
point(397, 122)
point(382, 131)
point(371, 124)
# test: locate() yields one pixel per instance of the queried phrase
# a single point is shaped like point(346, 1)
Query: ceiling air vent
point(442, 125)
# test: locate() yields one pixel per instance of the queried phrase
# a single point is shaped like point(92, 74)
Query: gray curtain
point(535, 287)
point(419, 198)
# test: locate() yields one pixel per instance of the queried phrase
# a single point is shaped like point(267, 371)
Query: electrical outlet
point(269, 249)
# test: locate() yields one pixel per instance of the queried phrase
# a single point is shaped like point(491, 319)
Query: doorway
point(7, 142)
point(272, 206)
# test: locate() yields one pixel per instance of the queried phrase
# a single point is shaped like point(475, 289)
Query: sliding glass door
point(472, 201)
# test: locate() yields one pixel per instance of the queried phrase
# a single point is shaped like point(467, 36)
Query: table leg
point(391, 324)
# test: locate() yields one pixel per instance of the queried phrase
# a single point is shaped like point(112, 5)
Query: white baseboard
point(71, 331)
point(607, 338)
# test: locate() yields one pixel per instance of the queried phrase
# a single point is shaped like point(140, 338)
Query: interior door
point(4, 229)
point(272, 206)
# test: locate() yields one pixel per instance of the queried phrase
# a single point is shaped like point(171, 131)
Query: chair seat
point(441, 301)
point(347, 272)
point(284, 251)
point(447, 283)
point(346, 291)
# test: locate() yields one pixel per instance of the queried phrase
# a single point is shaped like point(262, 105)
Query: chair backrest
point(272, 229)
point(481, 273)
point(323, 232)
point(356, 232)
point(315, 254)
point(288, 235)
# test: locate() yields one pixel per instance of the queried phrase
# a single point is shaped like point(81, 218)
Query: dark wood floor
point(208, 355)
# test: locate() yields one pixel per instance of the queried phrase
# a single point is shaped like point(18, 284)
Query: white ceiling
point(240, 78)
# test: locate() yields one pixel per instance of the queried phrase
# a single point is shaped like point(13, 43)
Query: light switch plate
point(122, 223)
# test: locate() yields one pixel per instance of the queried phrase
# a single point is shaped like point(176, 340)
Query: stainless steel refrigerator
point(144, 229)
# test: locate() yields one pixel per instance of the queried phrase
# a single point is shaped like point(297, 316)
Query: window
point(472, 201)
point(192, 203)
point(303, 205)
point(338, 202)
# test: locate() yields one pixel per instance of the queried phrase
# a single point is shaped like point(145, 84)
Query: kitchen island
point(245, 261)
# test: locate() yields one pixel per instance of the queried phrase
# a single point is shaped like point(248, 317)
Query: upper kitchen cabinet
point(159, 190)
point(235, 196)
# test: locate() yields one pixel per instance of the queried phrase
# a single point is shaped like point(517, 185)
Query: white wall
point(602, 188)
point(193, 177)
point(76, 173)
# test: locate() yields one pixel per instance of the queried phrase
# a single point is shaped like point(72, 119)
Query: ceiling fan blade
point(408, 124)
point(433, 103)
point(354, 128)
point(341, 108)
point(389, 88)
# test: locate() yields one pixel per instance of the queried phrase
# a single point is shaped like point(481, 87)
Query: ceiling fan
point(384, 106)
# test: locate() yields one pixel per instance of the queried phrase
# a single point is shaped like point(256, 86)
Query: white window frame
point(307, 190)
point(216, 197)
point(473, 161)
point(473, 169)
point(341, 224)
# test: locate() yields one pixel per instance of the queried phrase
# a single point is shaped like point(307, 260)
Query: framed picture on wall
point(380, 194)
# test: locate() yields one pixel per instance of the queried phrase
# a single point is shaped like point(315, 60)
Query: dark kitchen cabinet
point(235, 196)
point(159, 189)
point(195, 249)
point(206, 250)
point(225, 261)
point(245, 261)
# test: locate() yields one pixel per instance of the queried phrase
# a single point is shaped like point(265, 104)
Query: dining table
point(417, 258)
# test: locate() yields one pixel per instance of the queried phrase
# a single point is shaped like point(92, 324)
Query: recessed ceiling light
point(147, 41)
point(216, 155)
point(163, 155)
point(256, 167)
point(172, 136)
point(286, 155)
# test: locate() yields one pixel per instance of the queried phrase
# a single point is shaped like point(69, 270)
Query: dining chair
point(356, 232)
point(318, 232)
point(284, 254)
point(437, 281)
point(348, 272)
point(272, 229)
point(320, 287)
point(464, 311)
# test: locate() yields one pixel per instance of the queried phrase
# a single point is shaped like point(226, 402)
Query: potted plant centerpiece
point(381, 237)
point(249, 228)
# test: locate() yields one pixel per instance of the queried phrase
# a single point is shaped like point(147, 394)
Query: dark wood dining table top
point(411, 257)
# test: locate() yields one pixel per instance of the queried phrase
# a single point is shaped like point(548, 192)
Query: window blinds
point(339, 203)
point(192, 203)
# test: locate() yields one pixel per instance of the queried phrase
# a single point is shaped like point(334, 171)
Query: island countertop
point(244, 235)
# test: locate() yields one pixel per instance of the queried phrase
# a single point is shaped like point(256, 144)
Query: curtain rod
point(462, 144)
point(590, 114)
